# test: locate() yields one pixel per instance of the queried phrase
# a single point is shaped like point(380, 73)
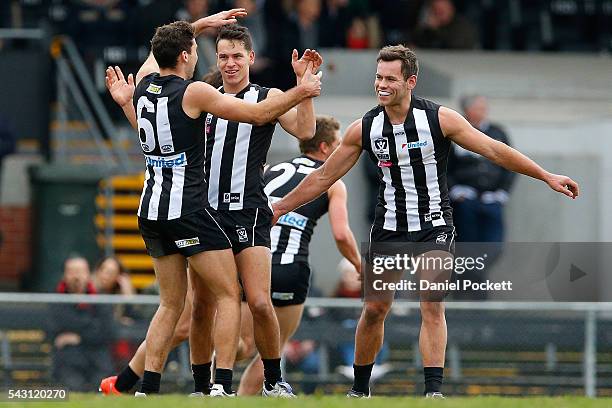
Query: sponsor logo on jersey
point(414, 145)
point(441, 239)
point(433, 216)
point(381, 149)
point(242, 234)
point(293, 220)
point(385, 164)
point(183, 243)
point(154, 89)
point(208, 122)
point(178, 160)
point(167, 149)
point(231, 198)
point(304, 161)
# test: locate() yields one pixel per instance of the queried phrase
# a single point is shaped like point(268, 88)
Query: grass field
point(178, 401)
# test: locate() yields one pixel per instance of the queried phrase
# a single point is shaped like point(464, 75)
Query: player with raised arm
point(409, 138)
point(175, 220)
point(291, 236)
point(296, 121)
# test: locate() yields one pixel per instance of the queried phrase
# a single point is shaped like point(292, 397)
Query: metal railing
point(590, 312)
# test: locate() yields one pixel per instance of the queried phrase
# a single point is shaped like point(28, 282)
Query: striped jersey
point(173, 146)
point(291, 235)
point(411, 159)
point(235, 156)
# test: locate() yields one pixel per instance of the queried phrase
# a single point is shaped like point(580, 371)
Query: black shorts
point(441, 238)
point(191, 234)
point(247, 228)
point(290, 283)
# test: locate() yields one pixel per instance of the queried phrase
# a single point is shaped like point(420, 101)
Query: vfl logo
point(183, 243)
point(441, 239)
point(381, 149)
point(208, 122)
point(242, 234)
point(231, 198)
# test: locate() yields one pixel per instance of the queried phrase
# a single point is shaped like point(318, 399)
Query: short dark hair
point(170, 41)
point(327, 127)
point(235, 32)
point(410, 63)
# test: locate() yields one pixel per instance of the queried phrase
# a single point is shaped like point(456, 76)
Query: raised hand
point(311, 81)
point(121, 90)
point(220, 19)
point(300, 65)
point(563, 185)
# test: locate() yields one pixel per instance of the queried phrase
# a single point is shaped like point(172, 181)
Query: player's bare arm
point(301, 121)
point(457, 128)
point(339, 221)
point(214, 20)
point(122, 92)
point(320, 180)
point(201, 97)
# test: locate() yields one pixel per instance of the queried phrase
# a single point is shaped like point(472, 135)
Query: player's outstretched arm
point(217, 20)
point(301, 121)
point(456, 128)
point(122, 92)
point(320, 180)
point(200, 97)
point(338, 219)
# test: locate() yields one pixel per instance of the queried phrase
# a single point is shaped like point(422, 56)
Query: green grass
point(179, 401)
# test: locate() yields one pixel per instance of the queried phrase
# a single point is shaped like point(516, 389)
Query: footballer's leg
point(172, 278)
point(289, 318)
point(246, 345)
point(218, 270)
point(201, 334)
point(368, 342)
point(130, 375)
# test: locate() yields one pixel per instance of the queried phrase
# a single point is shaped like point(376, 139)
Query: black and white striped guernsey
point(291, 235)
point(173, 146)
point(235, 156)
point(411, 159)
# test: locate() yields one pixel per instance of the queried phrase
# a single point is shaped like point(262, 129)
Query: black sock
point(201, 377)
point(433, 378)
point(126, 379)
point(272, 371)
point(150, 382)
point(223, 376)
point(362, 378)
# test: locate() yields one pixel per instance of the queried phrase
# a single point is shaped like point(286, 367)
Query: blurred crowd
point(121, 29)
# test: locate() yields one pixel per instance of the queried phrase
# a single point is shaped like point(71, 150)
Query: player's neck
point(397, 113)
point(316, 156)
point(235, 88)
point(166, 72)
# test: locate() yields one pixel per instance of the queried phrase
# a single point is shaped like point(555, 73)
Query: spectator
point(7, 143)
point(80, 333)
point(300, 29)
point(111, 277)
point(445, 29)
point(357, 36)
point(334, 23)
point(479, 189)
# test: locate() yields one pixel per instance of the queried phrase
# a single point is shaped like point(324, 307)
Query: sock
point(433, 378)
point(201, 377)
point(362, 378)
point(272, 371)
point(223, 376)
point(126, 379)
point(150, 382)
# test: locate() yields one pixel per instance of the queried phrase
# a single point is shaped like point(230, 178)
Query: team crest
point(242, 234)
point(381, 149)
